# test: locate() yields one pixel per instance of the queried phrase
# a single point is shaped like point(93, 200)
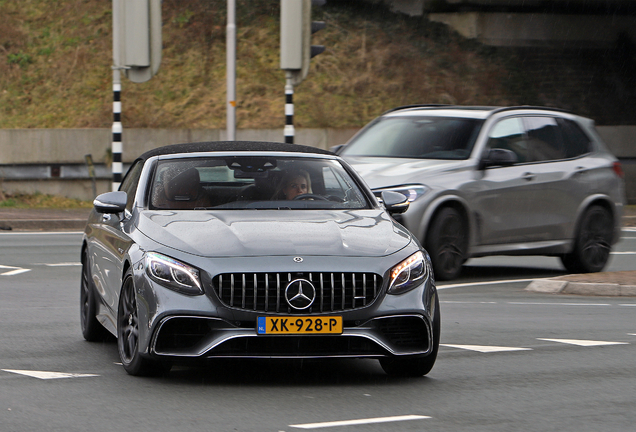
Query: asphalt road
point(510, 360)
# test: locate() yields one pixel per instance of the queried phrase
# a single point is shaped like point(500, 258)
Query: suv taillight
point(618, 169)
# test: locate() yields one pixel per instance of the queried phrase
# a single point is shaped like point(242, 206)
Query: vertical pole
point(117, 130)
point(289, 110)
point(231, 69)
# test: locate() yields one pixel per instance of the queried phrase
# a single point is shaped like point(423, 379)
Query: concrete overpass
point(562, 23)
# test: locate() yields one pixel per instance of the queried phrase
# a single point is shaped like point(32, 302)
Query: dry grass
point(41, 201)
point(57, 57)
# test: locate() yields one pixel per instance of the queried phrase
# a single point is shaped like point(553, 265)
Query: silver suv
point(496, 181)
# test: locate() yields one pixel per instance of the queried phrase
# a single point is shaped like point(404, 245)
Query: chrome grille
point(265, 292)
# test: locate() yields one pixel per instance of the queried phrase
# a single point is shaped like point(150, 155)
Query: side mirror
point(395, 202)
point(336, 149)
point(111, 202)
point(499, 157)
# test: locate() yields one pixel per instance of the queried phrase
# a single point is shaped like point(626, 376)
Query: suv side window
point(544, 139)
point(577, 143)
point(509, 134)
point(130, 182)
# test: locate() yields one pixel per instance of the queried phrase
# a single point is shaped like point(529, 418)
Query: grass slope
point(55, 60)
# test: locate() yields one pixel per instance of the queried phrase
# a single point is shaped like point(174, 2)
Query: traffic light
point(137, 38)
point(296, 28)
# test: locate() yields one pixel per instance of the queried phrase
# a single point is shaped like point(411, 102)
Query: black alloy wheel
point(593, 242)
point(128, 334)
point(446, 242)
point(92, 330)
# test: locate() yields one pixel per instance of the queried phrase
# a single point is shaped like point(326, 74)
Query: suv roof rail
point(416, 106)
point(543, 108)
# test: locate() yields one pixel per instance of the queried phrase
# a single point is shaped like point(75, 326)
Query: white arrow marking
point(486, 349)
point(48, 375)
point(15, 271)
point(581, 342)
point(359, 422)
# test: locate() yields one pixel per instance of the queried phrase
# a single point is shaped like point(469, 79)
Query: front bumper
point(206, 337)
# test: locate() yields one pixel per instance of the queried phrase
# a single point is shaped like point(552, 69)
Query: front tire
point(415, 366)
point(593, 242)
point(92, 330)
point(446, 242)
point(128, 334)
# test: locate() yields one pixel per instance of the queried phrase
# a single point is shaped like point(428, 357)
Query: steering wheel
point(309, 196)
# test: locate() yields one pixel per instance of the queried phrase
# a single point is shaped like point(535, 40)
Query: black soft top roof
point(232, 146)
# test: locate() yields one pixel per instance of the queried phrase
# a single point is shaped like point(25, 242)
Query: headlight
point(408, 274)
point(173, 274)
point(411, 192)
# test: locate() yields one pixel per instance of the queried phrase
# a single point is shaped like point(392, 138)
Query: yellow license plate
point(299, 325)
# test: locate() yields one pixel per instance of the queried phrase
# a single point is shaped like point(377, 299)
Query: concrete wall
point(52, 160)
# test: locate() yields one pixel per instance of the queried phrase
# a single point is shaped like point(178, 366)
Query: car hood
point(380, 172)
point(250, 233)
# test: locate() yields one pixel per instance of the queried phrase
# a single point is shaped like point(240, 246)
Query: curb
point(552, 286)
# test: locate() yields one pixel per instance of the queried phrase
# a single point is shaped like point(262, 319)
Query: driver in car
point(294, 183)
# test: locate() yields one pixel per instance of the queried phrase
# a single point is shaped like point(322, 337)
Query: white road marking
point(559, 304)
point(628, 304)
point(48, 375)
point(359, 421)
point(623, 253)
point(40, 233)
point(15, 271)
point(632, 334)
point(483, 283)
point(63, 264)
point(466, 302)
point(581, 342)
point(486, 348)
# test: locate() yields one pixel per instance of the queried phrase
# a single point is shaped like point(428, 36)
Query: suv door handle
point(528, 176)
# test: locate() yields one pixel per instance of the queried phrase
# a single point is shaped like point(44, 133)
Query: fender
point(440, 202)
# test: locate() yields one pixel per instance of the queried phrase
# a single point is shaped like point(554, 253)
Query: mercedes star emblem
point(300, 294)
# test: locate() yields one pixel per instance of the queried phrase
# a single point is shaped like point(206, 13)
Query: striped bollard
point(117, 132)
point(289, 112)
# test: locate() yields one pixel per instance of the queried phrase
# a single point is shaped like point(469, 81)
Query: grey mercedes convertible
point(255, 250)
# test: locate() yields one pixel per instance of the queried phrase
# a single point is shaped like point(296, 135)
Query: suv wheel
point(446, 243)
point(593, 242)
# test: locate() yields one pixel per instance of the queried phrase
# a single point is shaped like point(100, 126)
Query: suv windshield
point(253, 182)
point(417, 138)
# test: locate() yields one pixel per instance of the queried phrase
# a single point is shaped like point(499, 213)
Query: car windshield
point(253, 182)
point(417, 138)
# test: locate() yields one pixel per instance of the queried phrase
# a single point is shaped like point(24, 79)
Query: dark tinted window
point(545, 141)
point(417, 137)
point(577, 143)
point(130, 182)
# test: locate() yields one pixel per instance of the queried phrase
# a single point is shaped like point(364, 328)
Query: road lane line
point(439, 287)
point(15, 271)
point(43, 375)
point(359, 421)
point(559, 304)
point(581, 342)
point(40, 233)
point(486, 348)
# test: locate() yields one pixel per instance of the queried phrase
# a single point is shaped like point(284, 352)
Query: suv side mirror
point(395, 202)
point(111, 202)
point(498, 157)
